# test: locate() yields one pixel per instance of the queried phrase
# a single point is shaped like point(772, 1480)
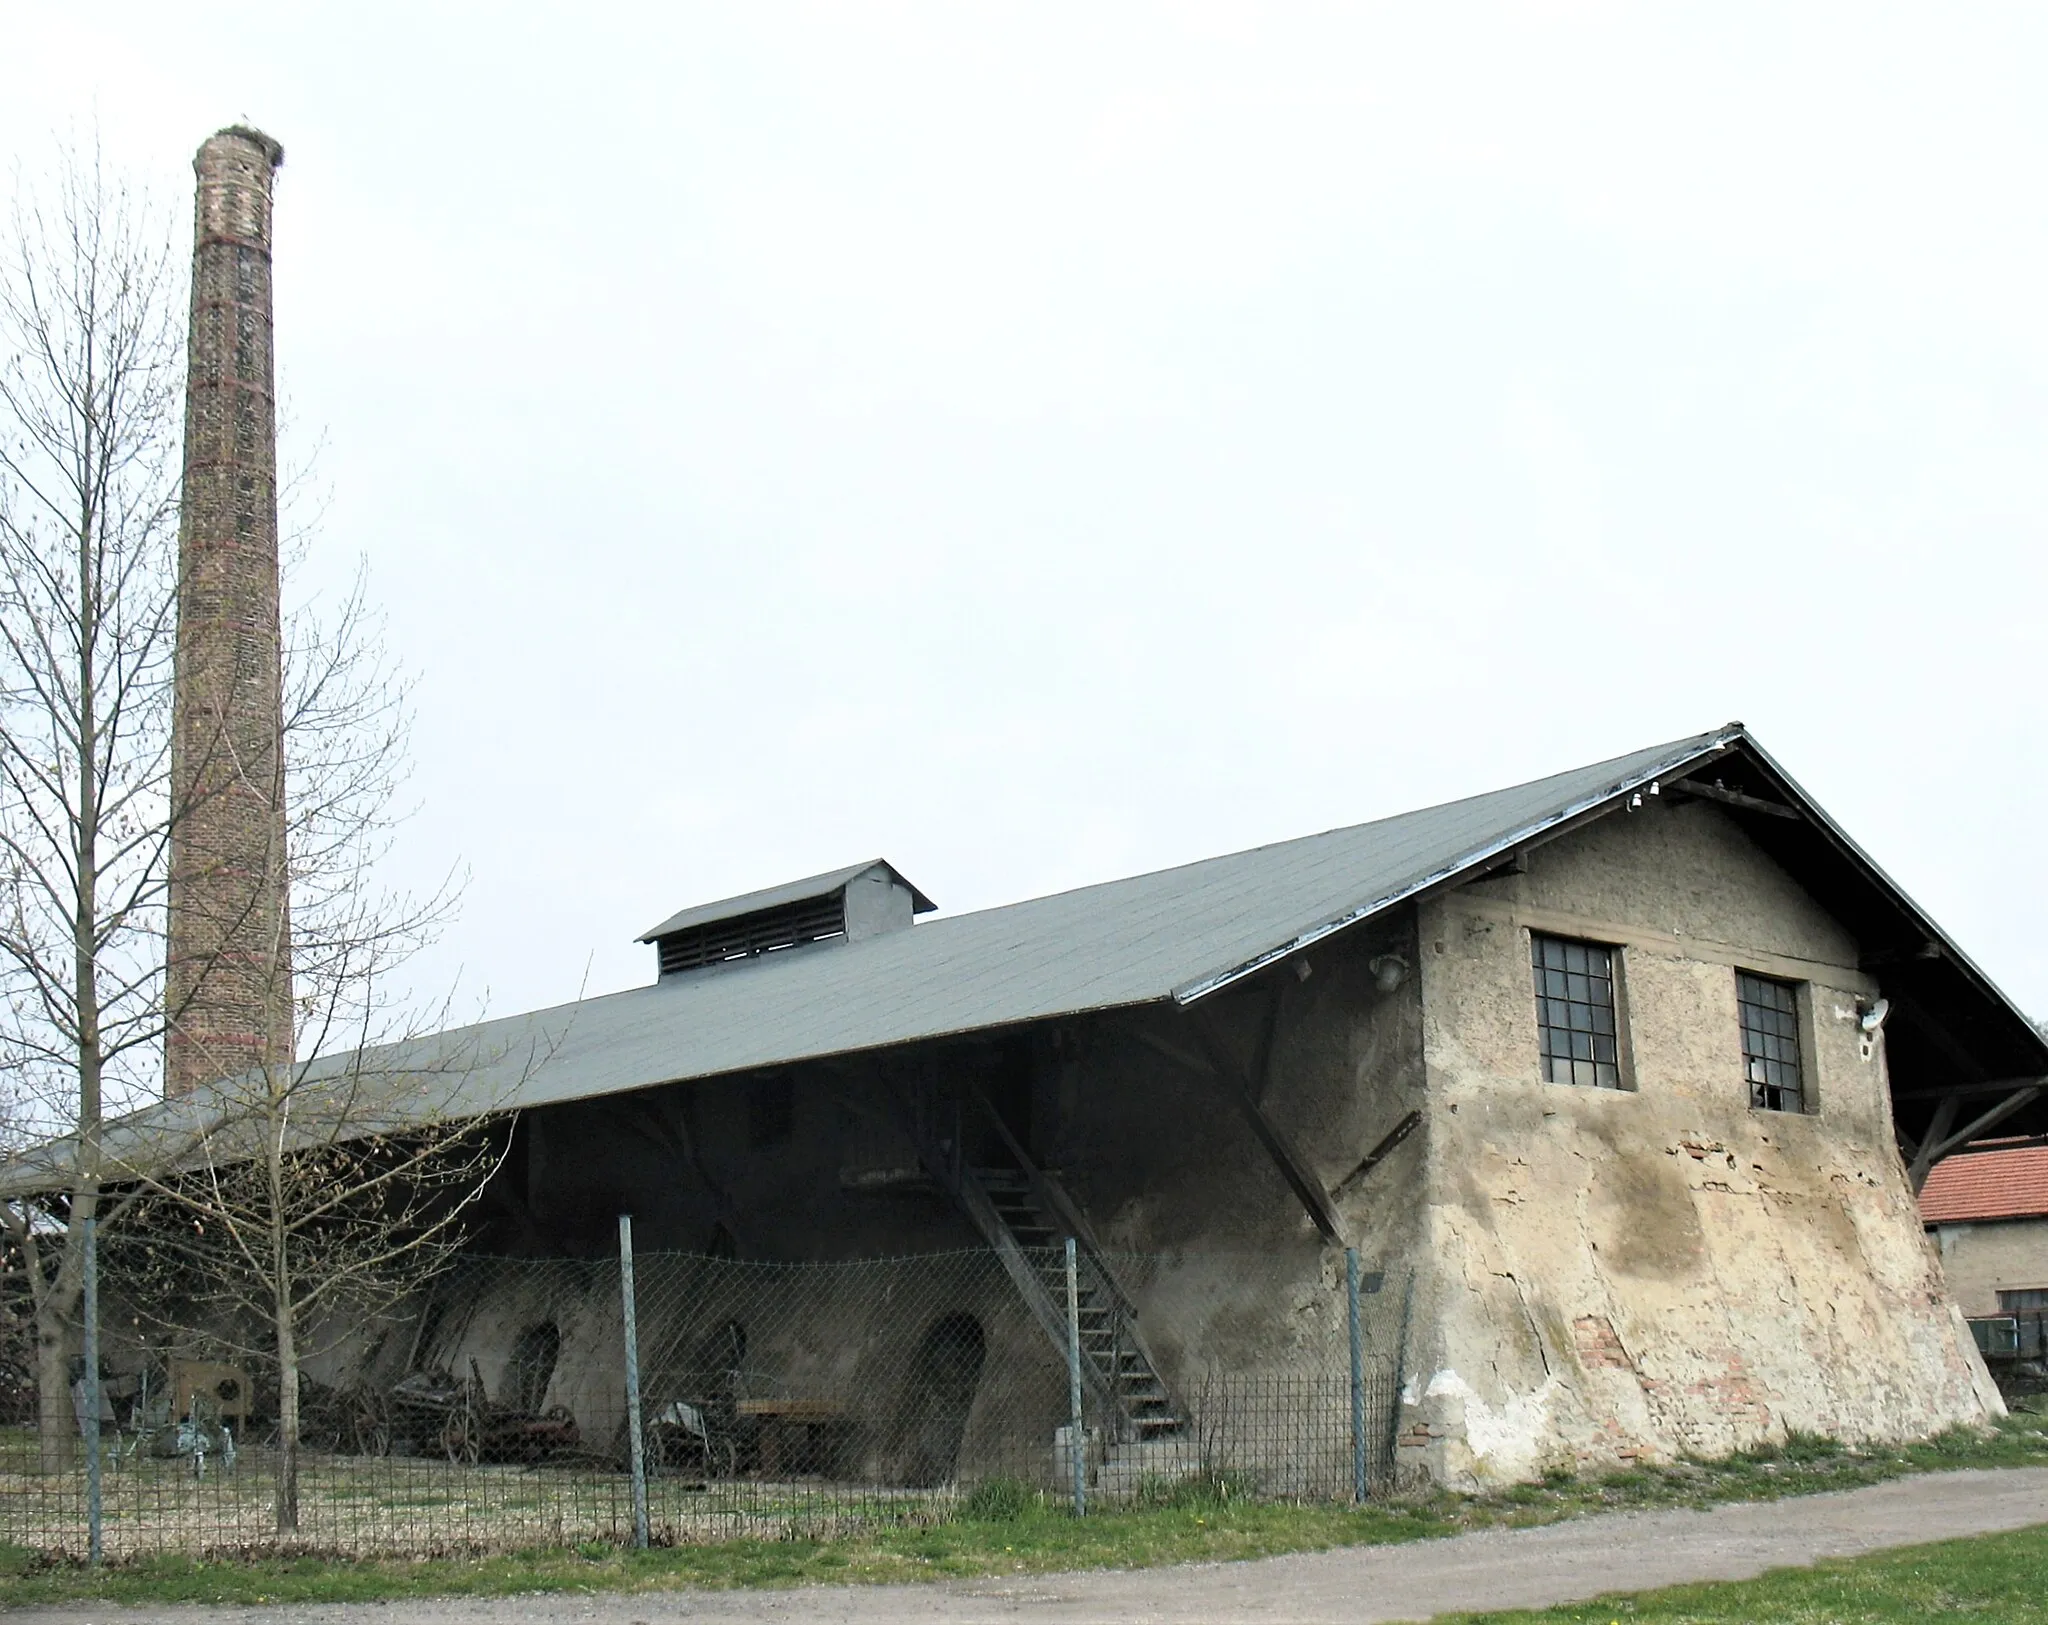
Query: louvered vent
point(748, 935)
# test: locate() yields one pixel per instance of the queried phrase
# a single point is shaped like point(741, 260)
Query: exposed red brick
point(228, 993)
point(1599, 1346)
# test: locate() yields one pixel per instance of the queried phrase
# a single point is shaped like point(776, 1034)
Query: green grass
point(1990, 1580)
point(1006, 1528)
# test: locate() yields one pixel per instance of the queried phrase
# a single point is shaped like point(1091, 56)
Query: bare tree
point(305, 1189)
point(305, 1203)
point(286, 1205)
point(89, 395)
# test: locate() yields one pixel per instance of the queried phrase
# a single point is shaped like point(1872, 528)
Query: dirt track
point(1497, 1569)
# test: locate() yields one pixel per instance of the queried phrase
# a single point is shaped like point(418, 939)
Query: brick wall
point(228, 995)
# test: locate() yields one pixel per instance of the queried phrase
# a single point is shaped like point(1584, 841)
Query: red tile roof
point(2009, 1184)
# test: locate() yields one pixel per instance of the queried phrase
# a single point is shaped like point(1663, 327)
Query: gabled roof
point(793, 891)
point(1976, 1185)
point(1181, 935)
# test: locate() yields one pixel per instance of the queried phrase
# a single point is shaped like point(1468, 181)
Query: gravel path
point(1518, 1568)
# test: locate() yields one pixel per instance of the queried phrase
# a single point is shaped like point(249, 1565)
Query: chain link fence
point(773, 1400)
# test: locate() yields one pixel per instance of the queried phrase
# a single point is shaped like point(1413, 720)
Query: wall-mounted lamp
point(1388, 971)
point(1871, 1017)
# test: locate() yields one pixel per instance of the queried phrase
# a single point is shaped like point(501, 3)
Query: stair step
point(1138, 1389)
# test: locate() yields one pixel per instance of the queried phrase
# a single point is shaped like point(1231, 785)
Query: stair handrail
point(1123, 1310)
point(952, 1172)
point(1047, 1190)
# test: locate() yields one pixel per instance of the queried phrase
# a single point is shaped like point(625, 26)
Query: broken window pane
point(1575, 1012)
point(1770, 1042)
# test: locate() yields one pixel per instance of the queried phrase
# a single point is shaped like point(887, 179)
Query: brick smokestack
point(229, 984)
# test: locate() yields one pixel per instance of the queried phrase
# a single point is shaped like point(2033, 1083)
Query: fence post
point(1357, 1379)
point(1077, 1439)
point(639, 1456)
point(89, 1413)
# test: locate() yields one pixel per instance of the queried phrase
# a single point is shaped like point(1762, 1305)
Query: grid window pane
point(2026, 1299)
point(1770, 1042)
point(1575, 1012)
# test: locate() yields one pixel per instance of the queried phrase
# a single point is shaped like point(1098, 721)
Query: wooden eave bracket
point(1215, 1060)
point(1944, 1138)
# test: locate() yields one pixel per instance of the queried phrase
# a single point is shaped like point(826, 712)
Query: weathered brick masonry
point(228, 994)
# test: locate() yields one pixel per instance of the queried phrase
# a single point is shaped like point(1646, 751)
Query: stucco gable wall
point(1640, 1273)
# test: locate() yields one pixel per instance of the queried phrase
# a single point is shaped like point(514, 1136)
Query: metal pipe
point(1357, 1379)
point(639, 1454)
point(1077, 1441)
point(1395, 1400)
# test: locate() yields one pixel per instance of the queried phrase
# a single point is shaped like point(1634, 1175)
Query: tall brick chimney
point(228, 994)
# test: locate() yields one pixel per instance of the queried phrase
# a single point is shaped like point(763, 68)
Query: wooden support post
point(1940, 1141)
point(1923, 1159)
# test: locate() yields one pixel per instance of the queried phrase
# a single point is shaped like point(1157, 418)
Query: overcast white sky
point(1040, 443)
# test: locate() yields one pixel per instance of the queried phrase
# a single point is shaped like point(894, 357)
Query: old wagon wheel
point(462, 1435)
point(369, 1426)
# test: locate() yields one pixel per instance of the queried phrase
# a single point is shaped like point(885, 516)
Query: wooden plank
point(1732, 798)
point(1378, 1154)
point(1997, 1086)
point(793, 1410)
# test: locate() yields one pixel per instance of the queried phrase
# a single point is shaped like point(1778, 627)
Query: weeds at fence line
point(778, 1401)
point(1007, 1528)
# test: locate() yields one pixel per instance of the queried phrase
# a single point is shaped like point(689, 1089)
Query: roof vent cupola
point(867, 900)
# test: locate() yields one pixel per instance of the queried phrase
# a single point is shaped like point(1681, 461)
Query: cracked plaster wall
point(1614, 1275)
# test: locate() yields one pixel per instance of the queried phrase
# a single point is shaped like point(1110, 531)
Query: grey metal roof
point(790, 891)
point(1175, 934)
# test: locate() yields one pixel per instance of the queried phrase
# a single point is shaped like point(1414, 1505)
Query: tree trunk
point(59, 1306)
point(56, 1322)
point(287, 1412)
point(56, 1427)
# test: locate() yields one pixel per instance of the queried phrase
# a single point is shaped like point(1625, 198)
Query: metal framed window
point(1575, 1025)
point(2024, 1300)
point(1770, 1042)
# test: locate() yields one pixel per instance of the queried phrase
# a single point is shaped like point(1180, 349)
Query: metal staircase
point(1026, 1217)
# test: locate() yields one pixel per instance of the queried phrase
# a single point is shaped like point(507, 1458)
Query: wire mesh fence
point(773, 1400)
